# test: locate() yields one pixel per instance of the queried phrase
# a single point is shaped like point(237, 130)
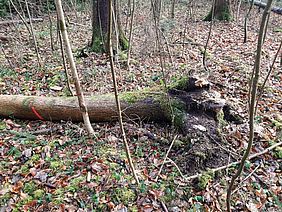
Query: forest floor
point(46, 166)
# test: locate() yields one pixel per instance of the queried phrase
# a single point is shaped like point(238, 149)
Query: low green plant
point(75, 184)
point(38, 194)
point(4, 7)
point(2, 125)
point(15, 152)
point(6, 72)
point(124, 195)
point(29, 187)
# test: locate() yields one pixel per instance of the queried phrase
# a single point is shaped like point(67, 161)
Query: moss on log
point(155, 104)
point(101, 108)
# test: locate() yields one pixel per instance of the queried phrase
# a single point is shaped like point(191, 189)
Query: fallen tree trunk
point(20, 21)
point(190, 105)
point(101, 108)
point(262, 5)
point(153, 105)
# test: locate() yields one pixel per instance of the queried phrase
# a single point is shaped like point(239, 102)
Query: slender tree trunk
point(50, 27)
point(246, 21)
point(253, 91)
point(79, 92)
point(110, 52)
point(130, 34)
point(238, 10)
point(33, 36)
point(173, 8)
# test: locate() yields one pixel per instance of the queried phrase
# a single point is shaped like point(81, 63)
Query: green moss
point(98, 41)
point(122, 56)
point(35, 158)
point(224, 15)
point(4, 198)
point(169, 193)
point(278, 152)
point(2, 125)
point(180, 84)
point(29, 187)
point(178, 113)
point(204, 179)
point(55, 165)
point(124, 195)
point(38, 194)
point(208, 17)
point(131, 97)
point(220, 119)
point(59, 196)
point(75, 184)
point(23, 170)
point(123, 42)
point(62, 26)
point(97, 45)
point(277, 124)
point(24, 201)
point(200, 155)
point(59, 192)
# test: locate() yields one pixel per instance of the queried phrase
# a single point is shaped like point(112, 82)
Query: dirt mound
point(201, 148)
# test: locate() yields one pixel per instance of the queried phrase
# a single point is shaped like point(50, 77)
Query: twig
point(77, 24)
point(24, 21)
point(175, 137)
point(21, 17)
point(64, 60)
point(178, 169)
point(164, 206)
point(33, 36)
point(246, 21)
point(246, 178)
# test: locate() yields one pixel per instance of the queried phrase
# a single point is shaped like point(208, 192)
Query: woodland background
point(49, 166)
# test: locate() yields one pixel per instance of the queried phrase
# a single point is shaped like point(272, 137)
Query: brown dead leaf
point(17, 187)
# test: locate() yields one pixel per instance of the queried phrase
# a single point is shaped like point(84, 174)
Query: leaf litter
point(54, 166)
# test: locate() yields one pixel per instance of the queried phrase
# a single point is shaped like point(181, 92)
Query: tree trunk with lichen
point(222, 11)
point(100, 19)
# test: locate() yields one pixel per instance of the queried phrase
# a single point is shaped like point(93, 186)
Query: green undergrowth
point(88, 172)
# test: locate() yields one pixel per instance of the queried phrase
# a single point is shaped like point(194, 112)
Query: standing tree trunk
point(79, 92)
point(222, 11)
point(100, 21)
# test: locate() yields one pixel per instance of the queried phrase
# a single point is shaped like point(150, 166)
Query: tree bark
point(100, 108)
point(100, 21)
point(152, 105)
point(222, 11)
